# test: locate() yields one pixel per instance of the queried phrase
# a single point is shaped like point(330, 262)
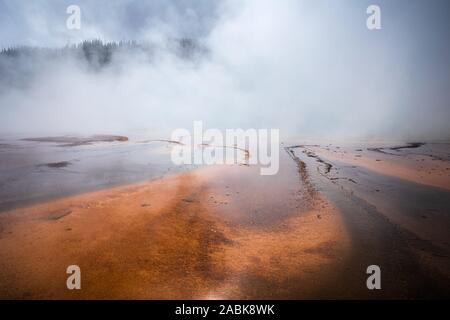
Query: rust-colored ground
point(417, 168)
point(211, 233)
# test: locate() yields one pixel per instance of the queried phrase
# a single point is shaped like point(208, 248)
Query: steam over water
point(310, 68)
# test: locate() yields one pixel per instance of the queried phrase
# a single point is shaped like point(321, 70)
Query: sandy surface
point(395, 221)
point(188, 236)
point(226, 232)
point(417, 167)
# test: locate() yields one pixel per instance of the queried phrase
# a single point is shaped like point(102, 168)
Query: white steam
point(309, 68)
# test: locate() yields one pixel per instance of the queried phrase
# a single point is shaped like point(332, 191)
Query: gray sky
point(43, 22)
point(311, 67)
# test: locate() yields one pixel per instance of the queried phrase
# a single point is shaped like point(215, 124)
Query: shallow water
point(422, 209)
point(396, 223)
point(308, 232)
point(36, 171)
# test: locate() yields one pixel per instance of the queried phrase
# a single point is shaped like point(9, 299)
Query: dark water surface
point(32, 171)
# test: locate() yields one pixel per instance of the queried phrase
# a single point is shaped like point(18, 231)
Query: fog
point(309, 68)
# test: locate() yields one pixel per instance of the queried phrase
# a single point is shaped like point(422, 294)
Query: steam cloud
point(310, 68)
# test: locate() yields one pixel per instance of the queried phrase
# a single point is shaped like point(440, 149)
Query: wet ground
point(216, 232)
point(223, 231)
point(38, 169)
point(400, 225)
